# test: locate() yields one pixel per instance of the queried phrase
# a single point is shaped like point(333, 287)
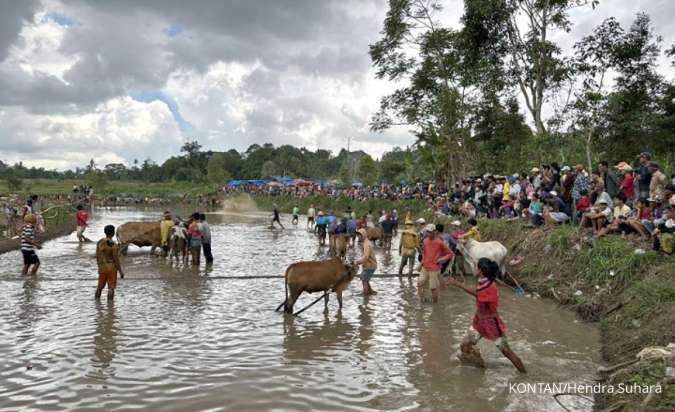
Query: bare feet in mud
point(472, 360)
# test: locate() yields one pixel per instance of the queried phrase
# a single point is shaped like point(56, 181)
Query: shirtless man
point(107, 258)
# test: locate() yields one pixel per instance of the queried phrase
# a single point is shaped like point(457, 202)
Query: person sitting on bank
point(620, 218)
point(597, 217)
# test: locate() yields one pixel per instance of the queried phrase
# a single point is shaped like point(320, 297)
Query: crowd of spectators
point(613, 198)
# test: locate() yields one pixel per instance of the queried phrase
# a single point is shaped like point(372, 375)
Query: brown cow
point(317, 276)
point(374, 233)
point(140, 234)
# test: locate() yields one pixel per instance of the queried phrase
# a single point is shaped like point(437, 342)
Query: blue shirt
point(206, 233)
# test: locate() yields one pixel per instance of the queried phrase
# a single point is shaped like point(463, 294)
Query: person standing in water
point(311, 214)
point(81, 217)
point(486, 322)
point(434, 253)
point(408, 248)
point(369, 263)
point(206, 239)
point(196, 234)
point(108, 261)
point(165, 230)
point(29, 243)
point(276, 218)
point(296, 213)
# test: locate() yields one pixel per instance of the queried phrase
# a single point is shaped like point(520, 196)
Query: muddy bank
point(53, 232)
point(619, 283)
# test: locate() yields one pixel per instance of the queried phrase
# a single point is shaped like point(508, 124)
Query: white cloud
point(115, 131)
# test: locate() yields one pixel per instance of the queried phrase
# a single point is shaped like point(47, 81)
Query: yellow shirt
point(507, 189)
point(473, 233)
point(164, 227)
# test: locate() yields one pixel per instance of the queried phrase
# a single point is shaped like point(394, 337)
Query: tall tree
point(415, 49)
point(536, 64)
point(216, 173)
point(368, 170)
point(595, 55)
point(639, 101)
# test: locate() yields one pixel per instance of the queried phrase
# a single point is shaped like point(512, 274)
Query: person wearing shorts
point(196, 234)
point(81, 217)
point(311, 213)
point(28, 244)
point(486, 322)
point(368, 262)
point(108, 261)
point(434, 253)
point(296, 215)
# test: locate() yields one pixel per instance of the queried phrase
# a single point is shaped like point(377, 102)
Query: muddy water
point(176, 338)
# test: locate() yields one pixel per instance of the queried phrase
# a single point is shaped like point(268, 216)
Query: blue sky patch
point(60, 19)
point(152, 95)
point(173, 30)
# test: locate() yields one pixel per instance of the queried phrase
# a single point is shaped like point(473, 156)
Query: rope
point(381, 275)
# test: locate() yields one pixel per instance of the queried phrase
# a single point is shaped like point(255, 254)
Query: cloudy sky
point(126, 79)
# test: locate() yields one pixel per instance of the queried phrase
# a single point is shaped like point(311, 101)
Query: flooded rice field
point(178, 338)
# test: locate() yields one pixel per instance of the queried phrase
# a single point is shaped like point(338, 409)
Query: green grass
point(562, 237)
point(612, 259)
point(648, 294)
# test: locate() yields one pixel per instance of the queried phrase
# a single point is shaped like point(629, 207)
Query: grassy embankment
point(115, 187)
point(631, 295)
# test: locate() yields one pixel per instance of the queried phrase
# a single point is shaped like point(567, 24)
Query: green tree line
point(461, 88)
point(258, 161)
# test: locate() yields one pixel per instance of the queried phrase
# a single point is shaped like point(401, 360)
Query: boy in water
point(108, 260)
point(28, 244)
point(369, 263)
point(81, 217)
point(296, 213)
point(486, 322)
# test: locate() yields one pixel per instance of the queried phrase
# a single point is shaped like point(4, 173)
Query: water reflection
point(105, 339)
point(306, 342)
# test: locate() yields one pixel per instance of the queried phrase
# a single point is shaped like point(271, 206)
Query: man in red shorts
point(107, 258)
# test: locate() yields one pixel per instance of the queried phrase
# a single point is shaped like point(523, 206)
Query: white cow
point(473, 250)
